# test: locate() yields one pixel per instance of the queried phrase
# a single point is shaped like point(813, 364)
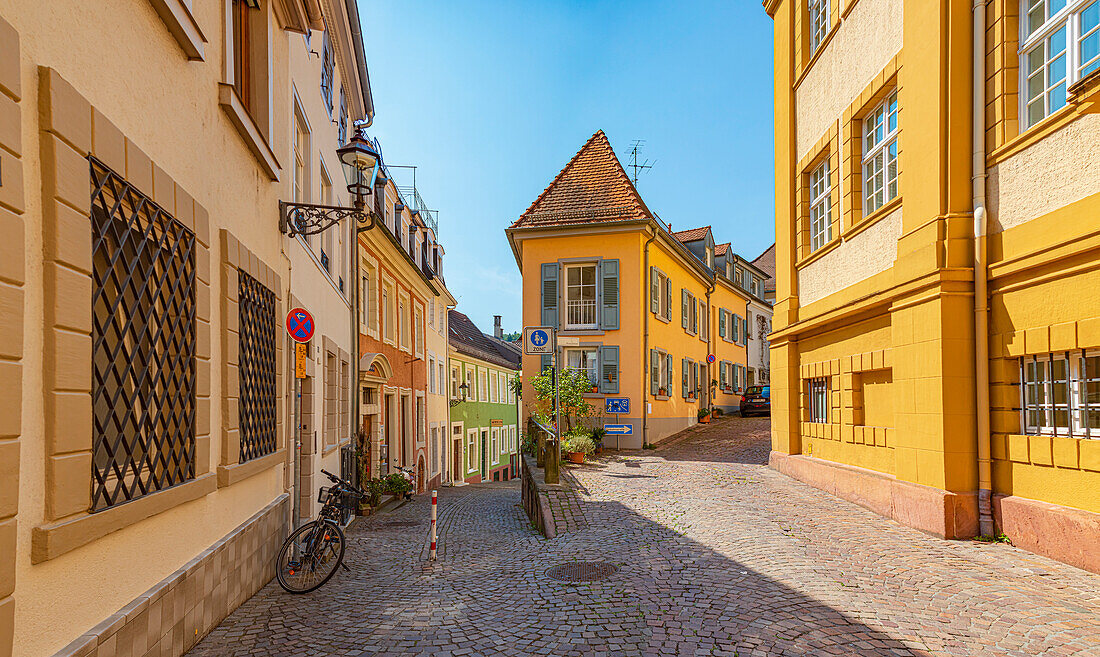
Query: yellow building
point(642, 305)
point(145, 471)
point(938, 263)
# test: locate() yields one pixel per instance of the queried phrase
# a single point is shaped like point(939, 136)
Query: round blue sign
point(539, 338)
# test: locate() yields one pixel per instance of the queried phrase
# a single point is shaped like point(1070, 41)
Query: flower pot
point(575, 457)
point(714, 414)
point(662, 392)
point(705, 419)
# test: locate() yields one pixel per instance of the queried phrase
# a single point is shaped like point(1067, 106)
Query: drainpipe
point(710, 348)
point(981, 301)
point(645, 344)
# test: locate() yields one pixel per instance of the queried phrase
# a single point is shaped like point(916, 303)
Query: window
point(431, 374)
point(821, 208)
point(819, 22)
point(433, 450)
point(493, 388)
point(454, 382)
point(142, 362)
point(301, 155)
point(325, 197)
point(471, 450)
point(431, 312)
point(369, 297)
point(404, 330)
point(242, 47)
point(584, 360)
point(1061, 45)
point(494, 448)
point(704, 327)
point(328, 65)
point(342, 126)
point(818, 397)
point(258, 402)
point(688, 317)
point(1061, 394)
point(482, 385)
point(660, 294)
point(880, 155)
point(471, 392)
point(419, 329)
point(580, 297)
point(421, 420)
point(389, 326)
point(442, 379)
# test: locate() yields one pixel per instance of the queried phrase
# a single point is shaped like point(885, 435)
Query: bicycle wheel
point(310, 556)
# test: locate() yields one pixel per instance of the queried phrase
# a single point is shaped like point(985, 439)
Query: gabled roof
point(466, 338)
point(691, 234)
point(593, 186)
point(721, 249)
point(765, 262)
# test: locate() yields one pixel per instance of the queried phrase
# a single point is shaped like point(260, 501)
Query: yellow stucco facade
point(878, 394)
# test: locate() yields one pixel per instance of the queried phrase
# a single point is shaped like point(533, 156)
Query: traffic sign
point(538, 340)
point(299, 324)
point(619, 429)
point(616, 405)
point(710, 358)
point(301, 355)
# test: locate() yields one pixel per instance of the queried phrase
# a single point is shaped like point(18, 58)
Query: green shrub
point(578, 440)
point(374, 489)
point(396, 483)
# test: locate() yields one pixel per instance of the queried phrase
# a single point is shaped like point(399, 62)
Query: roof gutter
point(361, 59)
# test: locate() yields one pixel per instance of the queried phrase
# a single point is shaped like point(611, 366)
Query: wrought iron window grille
point(143, 344)
point(258, 405)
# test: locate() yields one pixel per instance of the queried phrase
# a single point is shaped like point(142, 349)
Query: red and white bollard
point(431, 551)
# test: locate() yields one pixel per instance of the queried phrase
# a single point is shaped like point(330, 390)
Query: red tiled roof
point(765, 262)
point(591, 187)
point(691, 234)
point(720, 249)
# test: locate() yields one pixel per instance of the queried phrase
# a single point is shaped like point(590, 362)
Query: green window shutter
point(654, 371)
point(654, 291)
point(668, 299)
point(736, 329)
point(609, 294)
point(684, 378)
point(722, 374)
point(609, 368)
point(668, 373)
point(550, 294)
point(685, 309)
point(722, 323)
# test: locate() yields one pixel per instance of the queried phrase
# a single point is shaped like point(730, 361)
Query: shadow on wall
point(490, 594)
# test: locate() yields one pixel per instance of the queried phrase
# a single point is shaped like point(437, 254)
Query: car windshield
point(754, 390)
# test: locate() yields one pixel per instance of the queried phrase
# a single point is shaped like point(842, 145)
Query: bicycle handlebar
point(337, 480)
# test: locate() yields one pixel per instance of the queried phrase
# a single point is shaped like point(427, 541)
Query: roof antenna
point(634, 146)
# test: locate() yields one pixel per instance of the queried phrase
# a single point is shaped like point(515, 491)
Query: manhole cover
point(582, 571)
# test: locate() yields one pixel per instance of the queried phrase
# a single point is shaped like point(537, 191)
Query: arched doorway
point(375, 371)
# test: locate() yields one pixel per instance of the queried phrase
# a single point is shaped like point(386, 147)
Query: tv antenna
point(634, 164)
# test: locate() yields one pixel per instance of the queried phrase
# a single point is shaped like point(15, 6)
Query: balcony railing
point(580, 313)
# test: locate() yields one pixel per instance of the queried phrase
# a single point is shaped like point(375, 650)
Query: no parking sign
point(299, 324)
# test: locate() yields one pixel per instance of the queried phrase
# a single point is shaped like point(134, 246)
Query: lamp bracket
point(311, 219)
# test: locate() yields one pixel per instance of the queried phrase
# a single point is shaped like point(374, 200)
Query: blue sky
point(491, 98)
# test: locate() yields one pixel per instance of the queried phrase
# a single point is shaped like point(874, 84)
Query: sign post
point(543, 341)
point(300, 327)
point(616, 406)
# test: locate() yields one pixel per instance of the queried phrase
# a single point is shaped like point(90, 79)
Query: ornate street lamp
point(361, 164)
point(462, 390)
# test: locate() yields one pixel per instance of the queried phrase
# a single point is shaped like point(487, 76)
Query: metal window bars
point(143, 344)
point(258, 405)
point(1060, 394)
point(818, 398)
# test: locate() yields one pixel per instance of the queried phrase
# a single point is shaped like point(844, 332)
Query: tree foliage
point(574, 407)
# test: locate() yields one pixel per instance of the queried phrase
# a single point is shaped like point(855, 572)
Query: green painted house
point(484, 431)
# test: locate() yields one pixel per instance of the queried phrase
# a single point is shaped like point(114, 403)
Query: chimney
point(498, 332)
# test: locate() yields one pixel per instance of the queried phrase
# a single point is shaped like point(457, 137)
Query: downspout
point(361, 59)
point(981, 301)
point(645, 344)
point(295, 425)
point(710, 347)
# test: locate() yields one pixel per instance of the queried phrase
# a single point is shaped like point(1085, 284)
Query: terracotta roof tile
point(721, 249)
point(691, 234)
point(591, 187)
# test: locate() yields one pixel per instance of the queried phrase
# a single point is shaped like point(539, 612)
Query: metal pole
point(431, 552)
point(296, 448)
point(553, 453)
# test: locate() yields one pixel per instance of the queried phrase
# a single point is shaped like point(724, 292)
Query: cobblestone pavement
point(718, 555)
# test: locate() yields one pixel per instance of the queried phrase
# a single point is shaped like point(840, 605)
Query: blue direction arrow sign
point(619, 429)
point(616, 405)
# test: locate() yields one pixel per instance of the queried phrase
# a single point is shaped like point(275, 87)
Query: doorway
point(457, 474)
point(387, 436)
point(485, 455)
point(406, 448)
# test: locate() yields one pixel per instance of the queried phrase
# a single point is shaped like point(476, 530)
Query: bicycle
point(311, 554)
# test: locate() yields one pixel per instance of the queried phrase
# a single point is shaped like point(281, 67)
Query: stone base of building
point(170, 618)
point(1069, 535)
point(939, 512)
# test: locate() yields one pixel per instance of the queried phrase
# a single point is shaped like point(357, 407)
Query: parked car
point(756, 399)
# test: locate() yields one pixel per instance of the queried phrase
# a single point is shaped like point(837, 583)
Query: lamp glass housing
point(359, 161)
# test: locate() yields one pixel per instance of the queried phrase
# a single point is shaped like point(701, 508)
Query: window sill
point(594, 395)
point(817, 54)
point(661, 318)
point(240, 118)
point(585, 331)
point(661, 397)
point(871, 219)
point(51, 541)
point(237, 472)
point(1036, 133)
point(181, 24)
point(817, 255)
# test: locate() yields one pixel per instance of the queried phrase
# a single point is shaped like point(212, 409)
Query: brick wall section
point(176, 613)
point(11, 321)
point(73, 130)
point(237, 258)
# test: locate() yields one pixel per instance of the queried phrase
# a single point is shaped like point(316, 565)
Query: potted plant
point(576, 444)
point(594, 389)
point(715, 412)
point(704, 415)
point(598, 435)
point(662, 392)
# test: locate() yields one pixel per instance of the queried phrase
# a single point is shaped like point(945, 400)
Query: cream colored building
point(144, 468)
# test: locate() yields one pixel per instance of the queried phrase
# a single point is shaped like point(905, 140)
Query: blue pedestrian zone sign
point(619, 429)
point(538, 340)
point(617, 405)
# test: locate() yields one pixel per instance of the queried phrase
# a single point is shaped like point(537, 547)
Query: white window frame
point(821, 207)
point(1076, 403)
point(472, 452)
point(594, 367)
point(1068, 20)
point(818, 11)
point(880, 144)
point(431, 373)
point(482, 384)
point(578, 310)
point(494, 445)
point(817, 399)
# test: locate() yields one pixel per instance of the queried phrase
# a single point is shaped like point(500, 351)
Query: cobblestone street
point(718, 555)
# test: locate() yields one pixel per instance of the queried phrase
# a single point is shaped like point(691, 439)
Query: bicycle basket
point(323, 493)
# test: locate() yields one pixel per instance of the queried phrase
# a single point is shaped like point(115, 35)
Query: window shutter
point(684, 378)
point(550, 294)
point(668, 373)
point(748, 325)
point(609, 280)
point(609, 368)
point(654, 291)
point(544, 363)
point(722, 323)
point(722, 374)
point(668, 301)
point(685, 309)
point(654, 371)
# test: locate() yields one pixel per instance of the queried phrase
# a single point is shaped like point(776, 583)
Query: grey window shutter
point(609, 281)
point(748, 325)
point(654, 371)
point(550, 294)
point(685, 309)
point(722, 374)
point(544, 363)
point(654, 291)
point(722, 323)
point(683, 378)
point(609, 368)
point(668, 299)
point(668, 373)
